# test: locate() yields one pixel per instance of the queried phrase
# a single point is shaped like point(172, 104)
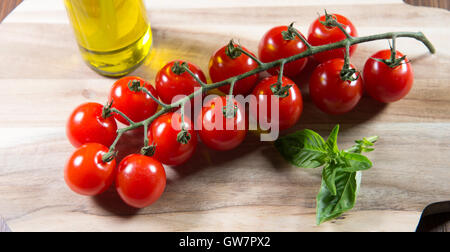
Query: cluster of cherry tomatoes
point(140, 180)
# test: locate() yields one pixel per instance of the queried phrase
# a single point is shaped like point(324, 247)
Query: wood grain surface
point(6, 6)
point(247, 189)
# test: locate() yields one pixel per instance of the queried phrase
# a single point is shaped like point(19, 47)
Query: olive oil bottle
point(114, 36)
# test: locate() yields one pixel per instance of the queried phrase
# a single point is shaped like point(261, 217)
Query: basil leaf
point(332, 140)
point(328, 176)
point(341, 175)
point(355, 162)
point(304, 149)
point(330, 206)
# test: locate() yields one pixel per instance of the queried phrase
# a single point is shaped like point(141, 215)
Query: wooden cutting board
point(248, 189)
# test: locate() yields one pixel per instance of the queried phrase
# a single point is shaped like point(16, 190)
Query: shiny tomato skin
point(222, 67)
point(386, 84)
point(290, 107)
point(218, 137)
point(162, 133)
point(273, 47)
point(140, 180)
point(85, 172)
point(86, 125)
point(136, 105)
point(169, 85)
point(330, 93)
point(320, 34)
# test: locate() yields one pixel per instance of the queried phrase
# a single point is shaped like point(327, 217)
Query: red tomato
point(273, 47)
point(163, 133)
point(320, 34)
point(169, 84)
point(86, 125)
point(329, 92)
point(290, 107)
point(214, 130)
point(85, 172)
point(140, 180)
point(136, 105)
point(384, 83)
point(222, 67)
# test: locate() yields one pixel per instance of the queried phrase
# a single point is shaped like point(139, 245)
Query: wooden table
point(248, 189)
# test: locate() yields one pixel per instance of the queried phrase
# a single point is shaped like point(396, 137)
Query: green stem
point(146, 142)
point(112, 149)
point(393, 49)
point(182, 116)
point(303, 39)
point(250, 55)
point(347, 56)
point(230, 110)
point(277, 88)
point(145, 90)
point(343, 30)
point(347, 73)
point(359, 147)
point(195, 76)
point(280, 74)
point(114, 110)
point(183, 136)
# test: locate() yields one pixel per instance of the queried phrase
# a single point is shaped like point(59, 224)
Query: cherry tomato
point(140, 180)
point(163, 133)
point(214, 130)
point(85, 172)
point(273, 47)
point(320, 34)
point(330, 93)
point(384, 83)
point(86, 125)
point(222, 67)
point(169, 84)
point(290, 107)
point(136, 105)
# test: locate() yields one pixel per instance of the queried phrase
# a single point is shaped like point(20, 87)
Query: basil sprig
point(341, 173)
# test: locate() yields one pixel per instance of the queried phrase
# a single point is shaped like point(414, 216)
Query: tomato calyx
point(110, 156)
point(279, 90)
point(290, 34)
point(349, 74)
point(135, 85)
point(393, 62)
point(230, 111)
point(179, 67)
point(233, 51)
point(330, 20)
point(183, 137)
point(106, 111)
point(148, 150)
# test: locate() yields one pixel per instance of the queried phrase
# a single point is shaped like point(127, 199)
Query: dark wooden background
point(6, 6)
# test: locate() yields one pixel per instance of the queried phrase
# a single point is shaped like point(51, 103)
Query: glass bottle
point(114, 36)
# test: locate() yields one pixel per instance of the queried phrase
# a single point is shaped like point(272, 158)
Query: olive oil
point(114, 36)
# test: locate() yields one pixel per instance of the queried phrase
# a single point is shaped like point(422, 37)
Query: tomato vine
point(291, 33)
